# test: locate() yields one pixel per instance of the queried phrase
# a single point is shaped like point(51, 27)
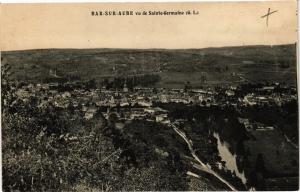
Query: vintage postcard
point(182, 96)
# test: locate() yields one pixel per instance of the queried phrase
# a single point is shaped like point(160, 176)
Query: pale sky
point(57, 25)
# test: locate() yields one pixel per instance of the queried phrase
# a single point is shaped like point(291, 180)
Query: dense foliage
point(50, 148)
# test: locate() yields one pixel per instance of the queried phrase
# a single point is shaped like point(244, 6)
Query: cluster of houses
point(271, 99)
point(254, 126)
point(138, 104)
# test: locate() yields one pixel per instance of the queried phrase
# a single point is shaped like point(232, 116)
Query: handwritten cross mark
point(268, 14)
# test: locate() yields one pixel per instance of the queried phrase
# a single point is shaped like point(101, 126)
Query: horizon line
point(213, 47)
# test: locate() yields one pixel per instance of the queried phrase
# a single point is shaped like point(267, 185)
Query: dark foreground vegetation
point(42, 151)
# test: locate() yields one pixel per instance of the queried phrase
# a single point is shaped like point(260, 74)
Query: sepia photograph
point(181, 96)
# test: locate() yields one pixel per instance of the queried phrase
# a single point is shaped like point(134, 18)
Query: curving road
point(201, 166)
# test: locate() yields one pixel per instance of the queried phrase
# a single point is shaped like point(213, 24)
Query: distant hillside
point(230, 65)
